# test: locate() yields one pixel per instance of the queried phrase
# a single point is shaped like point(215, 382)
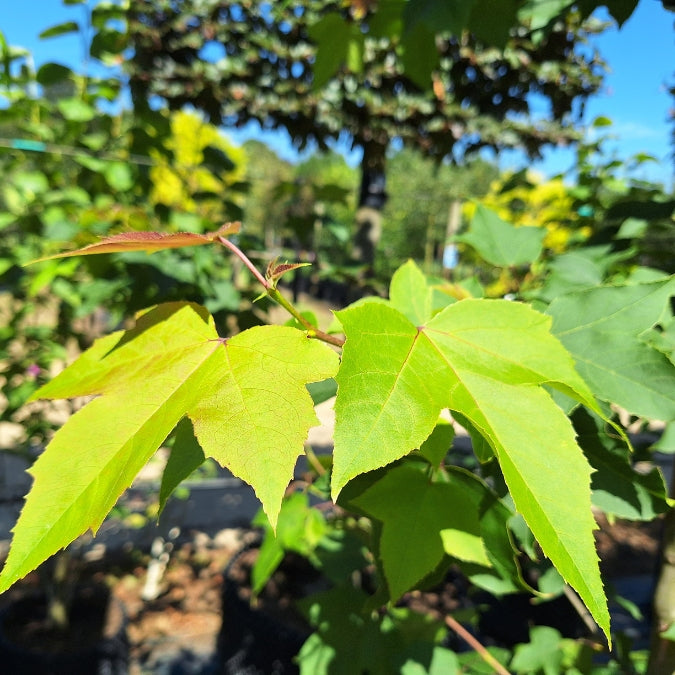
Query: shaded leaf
point(420, 56)
point(50, 73)
point(397, 642)
point(438, 443)
point(473, 663)
point(107, 43)
point(541, 654)
point(269, 558)
point(340, 43)
point(622, 10)
point(59, 29)
point(322, 391)
point(339, 620)
point(667, 441)
point(574, 271)
point(299, 528)
point(423, 520)
point(662, 338)
point(185, 458)
point(601, 328)
point(491, 21)
point(451, 15)
point(426, 658)
point(617, 487)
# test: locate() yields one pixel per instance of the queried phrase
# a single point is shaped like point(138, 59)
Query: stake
point(457, 627)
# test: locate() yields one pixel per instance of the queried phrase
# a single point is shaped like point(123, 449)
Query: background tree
point(200, 173)
point(331, 183)
point(418, 215)
point(258, 61)
point(263, 213)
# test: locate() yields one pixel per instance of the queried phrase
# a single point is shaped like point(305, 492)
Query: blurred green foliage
point(77, 165)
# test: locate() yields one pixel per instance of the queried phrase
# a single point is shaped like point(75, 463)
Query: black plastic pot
point(95, 644)
point(263, 637)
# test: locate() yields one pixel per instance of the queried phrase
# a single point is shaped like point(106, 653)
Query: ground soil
point(184, 620)
point(628, 548)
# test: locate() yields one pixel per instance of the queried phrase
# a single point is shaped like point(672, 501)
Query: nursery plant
point(534, 382)
point(531, 387)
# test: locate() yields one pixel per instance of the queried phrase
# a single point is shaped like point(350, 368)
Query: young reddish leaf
point(276, 270)
point(147, 241)
point(486, 359)
point(246, 398)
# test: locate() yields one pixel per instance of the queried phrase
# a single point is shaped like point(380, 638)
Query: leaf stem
point(312, 330)
point(581, 610)
point(457, 627)
point(276, 296)
point(314, 460)
point(244, 258)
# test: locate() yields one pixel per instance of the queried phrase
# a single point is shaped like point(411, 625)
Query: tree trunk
point(662, 650)
point(372, 198)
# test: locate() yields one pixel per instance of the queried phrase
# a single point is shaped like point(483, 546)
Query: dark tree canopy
point(257, 61)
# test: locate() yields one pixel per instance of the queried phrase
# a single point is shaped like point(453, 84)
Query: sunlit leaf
point(487, 360)
point(60, 29)
point(172, 364)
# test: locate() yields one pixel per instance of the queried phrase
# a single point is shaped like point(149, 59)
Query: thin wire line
point(38, 146)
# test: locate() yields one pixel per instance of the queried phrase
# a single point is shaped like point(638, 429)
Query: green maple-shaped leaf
point(486, 360)
point(245, 396)
point(602, 329)
point(410, 293)
point(501, 243)
point(423, 520)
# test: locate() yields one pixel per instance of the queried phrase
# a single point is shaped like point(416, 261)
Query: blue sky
point(641, 56)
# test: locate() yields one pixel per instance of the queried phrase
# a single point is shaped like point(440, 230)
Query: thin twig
point(581, 610)
point(242, 256)
point(274, 294)
point(457, 627)
point(312, 331)
point(314, 461)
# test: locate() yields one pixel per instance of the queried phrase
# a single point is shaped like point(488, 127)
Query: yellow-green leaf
point(488, 361)
point(246, 398)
